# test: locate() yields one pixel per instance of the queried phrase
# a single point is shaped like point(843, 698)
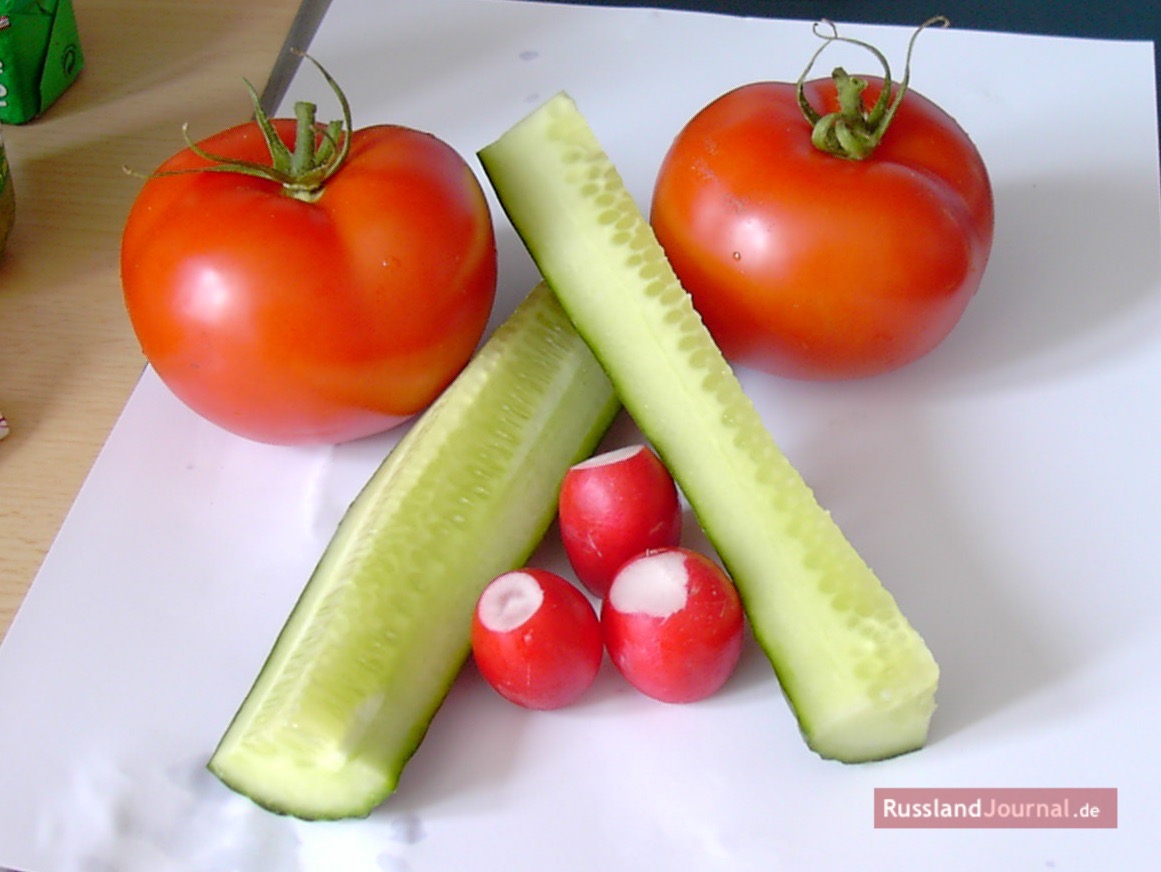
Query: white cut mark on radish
point(509, 601)
point(655, 585)
point(610, 457)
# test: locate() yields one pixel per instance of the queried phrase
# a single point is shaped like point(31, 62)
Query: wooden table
point(68, 358)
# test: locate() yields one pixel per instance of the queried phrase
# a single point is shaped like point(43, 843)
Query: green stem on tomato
point(306, 136)
point(854, 131)
point(319, 150)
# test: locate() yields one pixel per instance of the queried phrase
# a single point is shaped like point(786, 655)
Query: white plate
point(1005, 488)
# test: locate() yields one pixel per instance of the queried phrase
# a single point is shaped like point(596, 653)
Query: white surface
point(1005, 488)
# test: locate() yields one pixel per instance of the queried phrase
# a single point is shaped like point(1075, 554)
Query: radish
point(673, 624)
point(613, 507)
point(536, 639)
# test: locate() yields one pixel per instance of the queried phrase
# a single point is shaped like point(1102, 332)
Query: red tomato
point(311, 321)
point(613, 507)
point(673, 624)
point(814, 266)
point(536, 639)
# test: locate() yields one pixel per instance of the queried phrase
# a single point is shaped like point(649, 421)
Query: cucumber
point(859, 677)
point(383, 626)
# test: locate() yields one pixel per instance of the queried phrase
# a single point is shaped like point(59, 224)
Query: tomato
point(673, 624)
point(809, 265)
point(613, 507)
point(316, 318)
point(536, 639)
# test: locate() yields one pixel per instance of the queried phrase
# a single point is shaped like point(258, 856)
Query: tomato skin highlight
point(297, 322)
point(613, 507)
point(536, 639)
point(673, 625)
point(811, 266)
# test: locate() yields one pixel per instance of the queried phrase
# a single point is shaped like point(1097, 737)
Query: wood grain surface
point(68, 358)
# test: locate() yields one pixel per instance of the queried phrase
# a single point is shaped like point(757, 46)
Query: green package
point(40, 56)
point(7, 200)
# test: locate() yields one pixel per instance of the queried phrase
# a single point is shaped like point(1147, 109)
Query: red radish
point(613, 507)
point(673, 624)
point(536, 639)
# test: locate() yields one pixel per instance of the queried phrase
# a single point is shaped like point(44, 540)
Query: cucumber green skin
point(383, 625)
point(861, 681)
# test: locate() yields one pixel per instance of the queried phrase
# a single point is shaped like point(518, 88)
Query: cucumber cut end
point(865, 739)
point(300, 787)
point(891, 721)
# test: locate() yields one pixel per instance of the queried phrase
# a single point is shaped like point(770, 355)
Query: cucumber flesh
point(860, 679)
point(383, 626)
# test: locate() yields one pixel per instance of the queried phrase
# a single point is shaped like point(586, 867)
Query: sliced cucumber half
point(383, 626)
point(861, 680)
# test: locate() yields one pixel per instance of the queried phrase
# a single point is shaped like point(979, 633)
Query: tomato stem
point(319, 150)
point(304, 144)
point(854, 131)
